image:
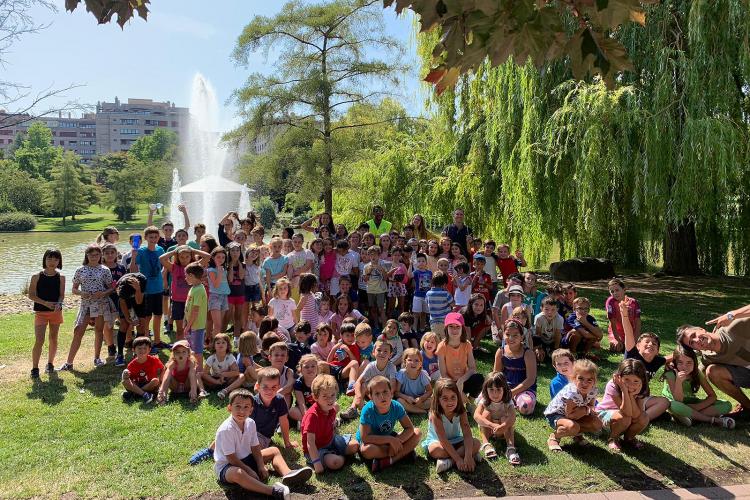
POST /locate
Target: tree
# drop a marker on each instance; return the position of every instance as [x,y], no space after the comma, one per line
[37,154]
[322,69]
[124,192]
[18,189]
[66,192]
[159,146]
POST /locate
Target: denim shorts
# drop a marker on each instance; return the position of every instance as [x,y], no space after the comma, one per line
[218,302]
[196,339]
[337,447]
[552,419]
[252,293]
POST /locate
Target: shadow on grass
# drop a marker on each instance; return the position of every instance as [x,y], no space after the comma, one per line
[724,436]
[410,476]
[351,483]
[51,392]
[100,381]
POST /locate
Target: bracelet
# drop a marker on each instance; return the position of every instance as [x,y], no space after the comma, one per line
[317,460]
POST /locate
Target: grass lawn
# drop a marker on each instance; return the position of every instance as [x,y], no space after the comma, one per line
[72,434]
[96,218]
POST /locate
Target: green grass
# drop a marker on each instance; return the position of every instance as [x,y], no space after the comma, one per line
[96,218]
[72,433]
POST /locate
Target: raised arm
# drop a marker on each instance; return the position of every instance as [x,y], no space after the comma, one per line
[626,326]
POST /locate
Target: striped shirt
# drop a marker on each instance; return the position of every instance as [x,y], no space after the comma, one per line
[439,304]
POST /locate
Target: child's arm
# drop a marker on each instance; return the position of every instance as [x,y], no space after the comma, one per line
[520,259]
[498,366]
[630,337]
[192,316]
[215,277]
[287,389]
[32,293]
[588,327]
[258,456]
[312,452]
[442,366]
[250,370]
[675,385]
[468,441]
[284,424]
[299,400]
[236,462]
[710,395]
[230,373]
[427,394]
[437,424]
[623,399]
[204,257]
[166,261]
[530,361]
[162,395]
[62,289]
[482,416]
[193,377]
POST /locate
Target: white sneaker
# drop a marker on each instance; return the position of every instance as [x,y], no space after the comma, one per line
[280,491]
[99,362]
[443,464]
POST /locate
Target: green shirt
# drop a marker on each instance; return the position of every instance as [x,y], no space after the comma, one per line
[194,245]
[197,297]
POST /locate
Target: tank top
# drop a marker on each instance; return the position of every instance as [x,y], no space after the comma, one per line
[309,311]
[237,286]
[181,376]
[47,288]
[515,370]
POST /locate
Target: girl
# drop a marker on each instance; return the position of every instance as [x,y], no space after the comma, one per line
[316,247]
[110,234]
[180,375]
[433,255]
[496,417]
[515,296]
[682,380]
[287,233]
[477,320]
[248,349]
[325,233]
[520,315]
[281,306]
[398,277]
[286,246]
[175,263]
[449,438]
[303,395]
[324,220]
[220,368]
[308,303]
[430,362]
[612,306]
[252,279]
[414,386]
[456,359]
[385,248]
[300,262]
[257,312]
[621,410]
[518,364]
[420,230]
[323,344]
[325,314]
[47,291]
[236,278]
[218,289]
[368,240]
[110,258]
[341,232]
[456,256]
[390,335]
[445,248]
[93,282]
[343,309]
[327,265]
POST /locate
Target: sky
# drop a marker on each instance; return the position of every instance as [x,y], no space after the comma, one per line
[157,59]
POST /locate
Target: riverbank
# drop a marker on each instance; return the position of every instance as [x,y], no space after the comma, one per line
[96,218]
[15,303]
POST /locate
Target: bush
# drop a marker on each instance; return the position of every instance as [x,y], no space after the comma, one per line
[266,211]
[17,221]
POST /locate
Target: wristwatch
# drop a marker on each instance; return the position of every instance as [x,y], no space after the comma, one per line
[730,316]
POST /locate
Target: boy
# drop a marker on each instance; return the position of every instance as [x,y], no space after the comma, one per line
[562,360]
[444,265]
[481,282]
[363,338]
[344,358]
[378,440]
[146,261]
[565,306]
[141,377]
[507,264]
[490,264]
[534,297]
[377,287]
[381,366]
[422,281]
[409,337]
[241,460]
[131,306]
[439,303]
[345,285]
[548,326]
[462,283]
[323,449]
[199,230]
[582,329]
[196,309]
[300,346]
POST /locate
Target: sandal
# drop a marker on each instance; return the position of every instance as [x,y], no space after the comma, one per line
[580,440]
[222,394]
[614,445]
[553,443]
[489,451]
[635,443]
[512,455]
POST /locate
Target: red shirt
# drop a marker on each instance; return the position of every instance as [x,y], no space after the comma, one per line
[507,267]
[319,423]
[482,283]
[143,373]
[343,362]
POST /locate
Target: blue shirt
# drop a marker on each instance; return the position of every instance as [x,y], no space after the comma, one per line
[267,417]
[556,384]
[149,265]
[422,282]
[535,301]
[572,322]
[366,353]
[274,265]
[381,424]
[439,303]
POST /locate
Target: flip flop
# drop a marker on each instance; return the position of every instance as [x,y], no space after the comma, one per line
[512,455]
[614,445]
[553,443]
[489,451]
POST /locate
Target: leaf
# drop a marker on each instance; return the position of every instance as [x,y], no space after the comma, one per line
[609,14]
[594,53]
[104,10]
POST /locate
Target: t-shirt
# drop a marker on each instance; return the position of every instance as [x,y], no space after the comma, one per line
[223,288]
[460,297]
[508,266]
[267,417]
[180,285]
[608,400]
[458,235]
[569,393]
[422,282]
[430,365]
[651,366]
[143,373]
[149,265]
[216,367]
[117,272]
[164,243]
[482,283]
[298,259]
[365,353]
[252,274]
[381,424]
[233,440]
[735,345]
[320,423]
[320,351]
[344,264]
[197,297]
[342,358]
[413,387]
[296,351]
[535,301]
[547,327]
[307,394]
[612,307]
[93,279]
[371,371]
[439,303]
[572,322]
[376,281]
[275,266]
[490,266]
[456,358]
[283,310]
[556,384]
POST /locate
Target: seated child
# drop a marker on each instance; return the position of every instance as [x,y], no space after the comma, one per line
[449,438]
[430,364]
[363,339]
[323,342]
[583,332]
[269,339]
[141,377]
[240,458]
[409,336]
[278,354]
[247,350]
[344,358]
[376,434]
[221,367]
[300,345]
[496,416]
[518,363]
[324,449]
[303,396]
[381,366]
[562,361]
[414,385]
[390,335]
[180,374]
[622,407]
[548,326]
[571,412]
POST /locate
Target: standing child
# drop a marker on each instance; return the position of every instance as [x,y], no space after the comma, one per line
[300,262]
[562,361]
[110,258]
[146,261]
[397,280]
[252,279]
[422,282]
[175,262]
[141,377]
[571,411]
[302,387]
[47,291]
[615,331]
[481,282]
[515,296]
[507,263]
[449,438]
[180,374]
[496,417]
[518,363]
[430,359]
[327,264]
[462,291]
[218,289]
[196,310]
[222,365]
[343,309]
[621,409]
[534,296]
[456,357]
[325,313]
[274,267]
[236,278]
[308,303]
[343,267]
[439,303]
[414,386]
[282,306]
[377,287]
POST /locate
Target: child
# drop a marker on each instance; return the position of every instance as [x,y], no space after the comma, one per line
[682,380]
[477,321]
[377,287]
[343,309]
[445,266]
[380,366]
[364,259]
[439,303]
[303,396]
[180,288]
[363,339]
[146,261]
[180,374]
[583,330]
[449,438]
[218,288]
[323,343]
[390,335]
[278,354]
[422,282]
[562,361]
[141,377]
[222,365]
[548,326]
[490,263]
[196,309]
[565,306]
[109,256]
[397,280]
[520,314]
[240,457]
[409,337]
[300,346]
[615,331]
[236,279]
[481,282]
[518,364]
[300,262]
[345,283]
[496,416]
[621,408]
[343,267]
[274,267]
[47,291]
[507,264]
[430,361]
[248,349]
[308,303]
[462,280]
[325,314]
[456,358]
[344,358]
[414,386]
[571,411]
[534,297]
[433,255]
[515,296]
[323,449]
[281,306]
[327,264]
[378,440]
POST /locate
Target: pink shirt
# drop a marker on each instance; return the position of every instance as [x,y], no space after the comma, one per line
[612,307]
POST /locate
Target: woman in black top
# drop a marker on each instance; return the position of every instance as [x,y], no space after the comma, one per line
[47,291]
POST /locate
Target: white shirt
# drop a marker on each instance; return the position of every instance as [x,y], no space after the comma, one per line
[230,439]
[216,367]
[283,310]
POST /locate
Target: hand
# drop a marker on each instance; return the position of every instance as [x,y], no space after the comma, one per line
[151,209]
[134,253]
[719,321]
[318,467]
[469,463]
[682,376]
[461,465]
[290,444]
[519,254]
[570,407]
[263,473]
[617,379]
[395,445]
[623,305]
[181,207]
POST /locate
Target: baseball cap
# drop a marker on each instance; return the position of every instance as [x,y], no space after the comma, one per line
[516,289]
[479,256]
[181,343]
[454,319]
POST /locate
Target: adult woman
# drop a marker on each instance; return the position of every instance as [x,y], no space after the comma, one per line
[420,231]
[324,219]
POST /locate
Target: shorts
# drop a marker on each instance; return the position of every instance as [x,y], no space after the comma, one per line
[44,318]
[100,308]
[740,375]
[376,300]
[606,417]
[248,460]
[178,311]
[196,338]
[337,446]
[419,305]
[252,293]
[236,300]
[265,442]
[552,419]
[396,289]
[439,329]
[152,305]
[218,302]
[336,371]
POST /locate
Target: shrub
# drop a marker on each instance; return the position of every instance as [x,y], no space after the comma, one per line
[266,211]
[17,221]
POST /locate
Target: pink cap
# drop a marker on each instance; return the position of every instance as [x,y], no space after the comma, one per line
[454,319]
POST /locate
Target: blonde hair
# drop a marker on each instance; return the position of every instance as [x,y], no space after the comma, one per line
[362,329]
[322,383]
[278,346]
[413,351]
[269,373]
[579,301]
[585,366]
[383,343]
[305,358]
[282,281]
[429,336]
[248,345]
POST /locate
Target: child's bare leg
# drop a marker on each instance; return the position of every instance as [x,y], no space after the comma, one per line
[332,461]
[566,427]
[75,344]
[180,329]
[36,351]
[52,348]
[590,423]
[655,406]
[216,320]
[410,408]
[618,424]
[352,371]
[273,456]
[636,427]
[373,451]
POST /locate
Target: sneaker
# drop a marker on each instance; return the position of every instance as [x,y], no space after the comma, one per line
[65,367]
[203,394]
[280,491]
[111,352]
[350,389]
[120,361]
[726,422]
[99,362]
[50,368]
[379,464]
[739,413]
[147,397]
[350,414]
[35,373]
[299,476]
[686,421]
[201,455]
[443,465]
[127,396]
[162,345]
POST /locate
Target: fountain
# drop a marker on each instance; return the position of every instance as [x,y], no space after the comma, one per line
[174,201]
[245,205]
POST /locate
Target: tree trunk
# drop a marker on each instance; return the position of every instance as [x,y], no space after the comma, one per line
[328,166]
[681,250]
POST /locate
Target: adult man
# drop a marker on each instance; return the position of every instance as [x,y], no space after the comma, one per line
[377,225]
[458,232]
[725,354]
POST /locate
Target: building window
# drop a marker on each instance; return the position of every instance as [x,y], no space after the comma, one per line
[88,125]
[148,132]
[175,124]
[72,143]
[130,131]
[129,121]
[68,134]
[67,125]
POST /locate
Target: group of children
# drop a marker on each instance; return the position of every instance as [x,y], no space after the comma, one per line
[392,321]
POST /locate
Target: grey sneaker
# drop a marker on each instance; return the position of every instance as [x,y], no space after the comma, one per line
[443,465]
[686,421]
[280,491]
[65,367]
[99,362]
[298,476]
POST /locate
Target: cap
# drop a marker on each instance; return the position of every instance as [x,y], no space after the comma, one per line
[516,289]
[181,343]
[479,256]
[412,241]
[454,319]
